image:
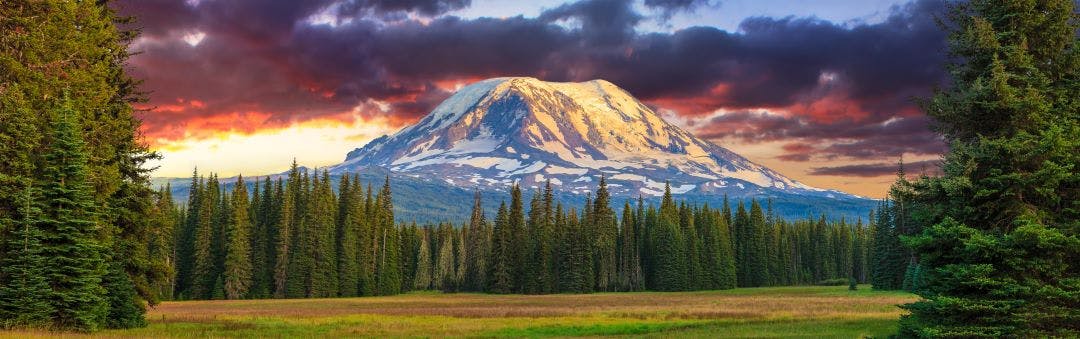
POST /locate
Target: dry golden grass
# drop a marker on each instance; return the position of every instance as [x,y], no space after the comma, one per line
[791,311]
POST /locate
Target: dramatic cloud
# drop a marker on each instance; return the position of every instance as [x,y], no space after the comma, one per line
[880,169]
[849,138]
[831,90]
[425,7]
[670,7]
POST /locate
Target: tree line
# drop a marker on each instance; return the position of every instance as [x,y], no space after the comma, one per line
[299,237]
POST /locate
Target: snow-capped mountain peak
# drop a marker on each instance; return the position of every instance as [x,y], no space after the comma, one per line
[495,132]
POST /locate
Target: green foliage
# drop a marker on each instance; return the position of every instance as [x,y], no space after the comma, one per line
[998,249]
[388,270]
[70,57]
[76,260]
[672,247]
[24,290]
[669,265]
[238,268]
[500,278]
[125,310]
[890,257]
[479,247]
[606,230]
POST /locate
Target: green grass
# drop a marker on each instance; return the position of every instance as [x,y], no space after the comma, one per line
[808,312]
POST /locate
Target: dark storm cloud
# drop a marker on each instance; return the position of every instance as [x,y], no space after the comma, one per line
[425,7]
[676,4]
[880,169]
[300,60]
[452,47]
[603,22]
[668,8]
[849,139]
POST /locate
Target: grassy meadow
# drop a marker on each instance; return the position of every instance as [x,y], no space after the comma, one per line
[813,312]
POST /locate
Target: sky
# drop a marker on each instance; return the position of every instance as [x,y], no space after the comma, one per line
[824,92]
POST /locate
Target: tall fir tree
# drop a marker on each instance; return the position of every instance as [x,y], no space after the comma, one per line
[629,275]
[75,260]
[388,271]
[517,249]
[741,226]
[422,280]
[443,277]
[283,237]
[670,265]
[238,244]
[756,256]
[605,225]
[500,278]
[477,252]
[24,290]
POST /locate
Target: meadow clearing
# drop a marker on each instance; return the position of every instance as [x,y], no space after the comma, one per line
[804,311]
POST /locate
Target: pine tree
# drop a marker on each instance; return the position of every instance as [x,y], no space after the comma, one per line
[756,257]
[366,232]
[161,247]
[1000,251]
[75,263]
[346,239]
[88,66]
[24,291]
[575,262]
[185,242]
[858,253]
[517,240]
[889,261]
[273,196]
[219,224]
[444,259]
[125,308]
[283,239]
[741,227]
[203,271]
[692,251]
[260,284]
[388,270]
[725,255]
[322,250]
[238,244]
[477,253]
[641,239]
[459,257]
[18,138]
[772,244]
[541,269]
[630,275]
[670,265]
[606,229]
[535,279]
[422,280]
[500,276]
[410,244]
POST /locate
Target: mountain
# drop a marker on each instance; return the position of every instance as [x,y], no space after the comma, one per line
[495,132]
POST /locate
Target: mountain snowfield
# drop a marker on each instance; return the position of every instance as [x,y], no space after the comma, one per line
[495,132]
